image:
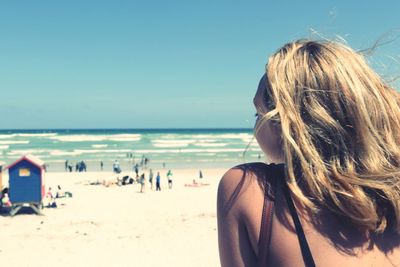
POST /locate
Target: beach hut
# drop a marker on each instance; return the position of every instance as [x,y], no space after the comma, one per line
[26,184]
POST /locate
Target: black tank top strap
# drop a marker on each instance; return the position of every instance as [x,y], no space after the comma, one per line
[305,249]
[272,173]
[265,231]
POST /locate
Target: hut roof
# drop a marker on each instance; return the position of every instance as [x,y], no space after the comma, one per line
[31,158]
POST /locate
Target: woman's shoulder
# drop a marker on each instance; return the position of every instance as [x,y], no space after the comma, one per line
[251,173]
[243,183]
[241,195]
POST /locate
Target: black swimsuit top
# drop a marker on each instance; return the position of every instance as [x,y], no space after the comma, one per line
[274,171]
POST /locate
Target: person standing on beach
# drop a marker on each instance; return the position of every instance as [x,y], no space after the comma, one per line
[158,180]
[101,164]
[137,170]
[151,176]
[116,167]
[142,183]
[66,165]
[169,176]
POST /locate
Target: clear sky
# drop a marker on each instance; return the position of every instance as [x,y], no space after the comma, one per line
[161,64]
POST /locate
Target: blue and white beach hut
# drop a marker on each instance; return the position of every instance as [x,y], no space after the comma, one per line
[26,183]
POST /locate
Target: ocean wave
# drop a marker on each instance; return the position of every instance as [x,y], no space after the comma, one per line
[77,152]
[222,136]
[4,136]
[171,145]
[248,140]
[64,153]
[9,142]
[99,146]
[4,147]
[210,144]
[36,134]
[208,140]
[124,137]
[186,150]
[174,141]
[97,138]
[207,154]
[21,152]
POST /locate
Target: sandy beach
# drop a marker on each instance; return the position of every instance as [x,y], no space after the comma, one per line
[117,225]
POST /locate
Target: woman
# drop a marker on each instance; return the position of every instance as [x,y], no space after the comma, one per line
[331,128]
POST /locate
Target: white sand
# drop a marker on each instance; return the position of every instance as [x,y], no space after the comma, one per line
[117,225]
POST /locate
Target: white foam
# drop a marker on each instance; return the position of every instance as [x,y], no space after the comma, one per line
[64,153]
[211,144]
[173,141]
[77,152]
[4,136]
[207,154]
[99,146]
[124,137]
[247,140]
[223,136]
[27,151]
[208,140]
[4,147]
[188,150]
[96,138]
[78,138]
[36,134]
[170,145]
[9,142]
[89,151]
[116,150]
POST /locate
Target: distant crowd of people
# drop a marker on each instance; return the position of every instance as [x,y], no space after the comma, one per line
[139,177]
[80,166]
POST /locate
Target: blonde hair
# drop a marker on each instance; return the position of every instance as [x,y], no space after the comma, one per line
[340,127]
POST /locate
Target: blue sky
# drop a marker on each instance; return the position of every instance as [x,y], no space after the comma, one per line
[161,64]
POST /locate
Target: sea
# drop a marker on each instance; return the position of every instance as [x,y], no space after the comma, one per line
[164,148]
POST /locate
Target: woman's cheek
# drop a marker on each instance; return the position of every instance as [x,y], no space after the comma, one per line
[269,142]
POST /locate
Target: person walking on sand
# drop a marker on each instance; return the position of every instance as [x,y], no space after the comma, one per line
[169,177]
[158,181]
[151,176]
[101,165]
[142,183]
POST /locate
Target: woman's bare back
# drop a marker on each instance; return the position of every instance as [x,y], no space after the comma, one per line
[333,242]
